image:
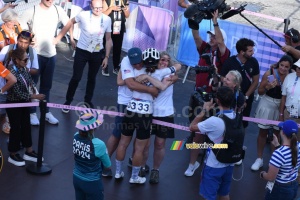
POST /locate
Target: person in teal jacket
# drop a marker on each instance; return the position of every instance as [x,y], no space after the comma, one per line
[90,155]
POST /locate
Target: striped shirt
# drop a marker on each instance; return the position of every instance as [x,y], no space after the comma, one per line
[282,159]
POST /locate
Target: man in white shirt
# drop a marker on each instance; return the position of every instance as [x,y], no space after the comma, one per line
[42,20]
[216,176]
[94,25]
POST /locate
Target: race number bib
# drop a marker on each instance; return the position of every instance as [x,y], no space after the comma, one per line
[140,106]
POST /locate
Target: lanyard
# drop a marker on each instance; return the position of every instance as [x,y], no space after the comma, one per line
[277,76]
[117,14]
[293,88]
[243,69]
[16,69]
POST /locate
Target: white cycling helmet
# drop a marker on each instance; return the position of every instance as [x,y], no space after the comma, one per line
[151,57]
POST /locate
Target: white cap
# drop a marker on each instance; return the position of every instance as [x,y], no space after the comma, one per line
[297,63]
[212,32]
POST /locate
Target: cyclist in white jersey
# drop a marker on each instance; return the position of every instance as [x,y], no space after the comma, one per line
[163,111]
[138,116]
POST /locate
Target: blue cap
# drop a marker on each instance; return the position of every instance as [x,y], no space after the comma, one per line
[135,55]
[288,127]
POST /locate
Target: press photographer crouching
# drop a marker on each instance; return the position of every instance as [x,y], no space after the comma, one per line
[233,81]
[217,173]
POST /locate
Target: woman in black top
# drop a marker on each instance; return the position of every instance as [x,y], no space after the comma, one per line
[19,117]
[268,107]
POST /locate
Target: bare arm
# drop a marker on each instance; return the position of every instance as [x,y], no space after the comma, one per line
[10,81]
[182,4]
[120,81]
[197,38]
[108,46]
[219,36]
[133,85]
[289,49]
[253,85]
[206,107]
[265,85]
[65,29]
[271,174]
[282,107]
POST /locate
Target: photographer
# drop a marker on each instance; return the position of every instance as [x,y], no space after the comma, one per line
[292,47]
[218,53]
[216,176]
[233,81]
[216,47]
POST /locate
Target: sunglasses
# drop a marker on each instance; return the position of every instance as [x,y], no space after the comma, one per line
[25,60]
[26,34]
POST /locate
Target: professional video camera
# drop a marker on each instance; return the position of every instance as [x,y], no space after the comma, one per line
[201,96]
[202,9]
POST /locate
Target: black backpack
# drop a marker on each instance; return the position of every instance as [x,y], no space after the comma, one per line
[234,137]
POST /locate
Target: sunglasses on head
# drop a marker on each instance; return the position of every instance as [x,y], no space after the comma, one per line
[27,34]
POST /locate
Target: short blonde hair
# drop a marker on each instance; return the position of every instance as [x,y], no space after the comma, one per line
[237,78]
[9,15]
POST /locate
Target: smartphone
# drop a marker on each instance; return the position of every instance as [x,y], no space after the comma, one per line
[270,78]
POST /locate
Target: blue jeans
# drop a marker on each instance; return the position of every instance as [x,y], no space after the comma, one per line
[88,190]
[283,191]
[46,66]
[81,58]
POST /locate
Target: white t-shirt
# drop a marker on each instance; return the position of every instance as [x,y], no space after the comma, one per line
[214,128]
[124,93]
[291,92]
[44,25]
[92,29]
[163,104]
[2,4]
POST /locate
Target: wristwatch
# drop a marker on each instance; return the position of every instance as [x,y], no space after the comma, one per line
[246,97]
[1,91]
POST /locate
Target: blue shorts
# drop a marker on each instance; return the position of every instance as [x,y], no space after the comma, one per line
[118,121]
[215,181]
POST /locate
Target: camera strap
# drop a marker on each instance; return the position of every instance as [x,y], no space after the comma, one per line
[244,70]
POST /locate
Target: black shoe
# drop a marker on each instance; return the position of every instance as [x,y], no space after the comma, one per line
[65,110]
[154,176]
[142,172]
[107,173]
[16,160]
[32,156]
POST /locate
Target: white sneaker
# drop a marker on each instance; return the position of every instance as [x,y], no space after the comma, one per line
[138,180]
[259,162]
[239,163]
[191,169]
[34,120]
[119,175]
[50,118]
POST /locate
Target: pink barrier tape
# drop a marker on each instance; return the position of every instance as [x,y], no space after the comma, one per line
[60,106]
[175,126]
[17,105]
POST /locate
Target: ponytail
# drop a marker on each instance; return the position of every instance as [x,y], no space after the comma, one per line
[294,149]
